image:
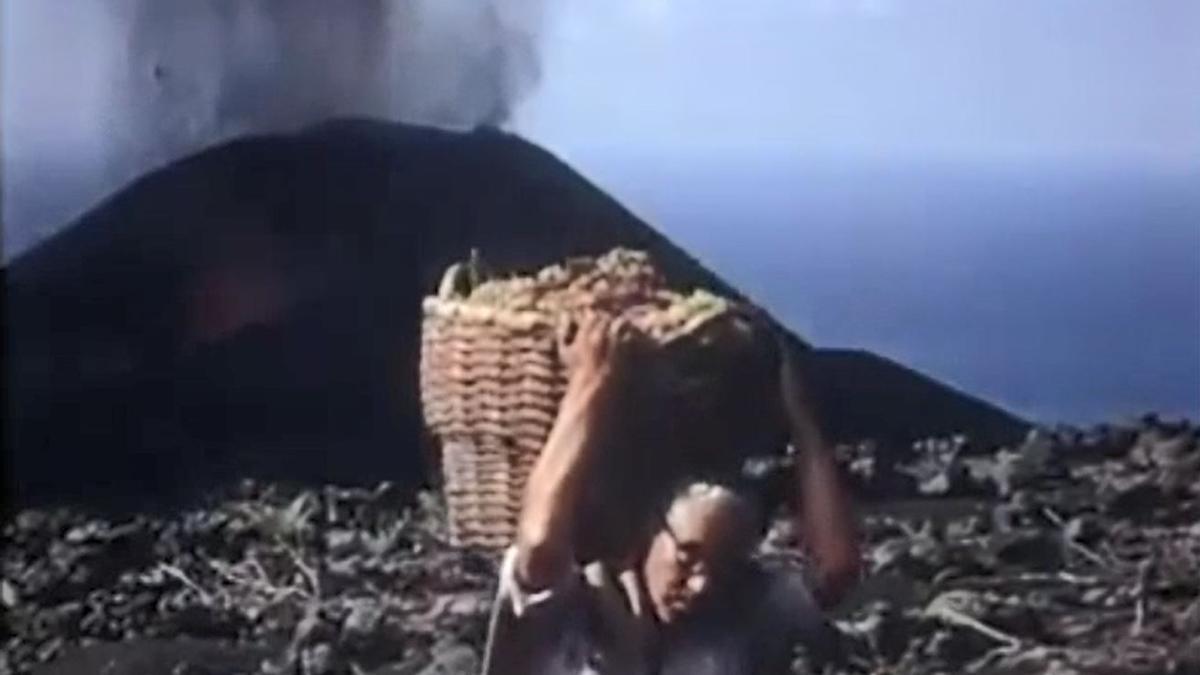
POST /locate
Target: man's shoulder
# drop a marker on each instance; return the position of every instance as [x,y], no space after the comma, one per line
[523,599]
[582,623]
[529,629]
[782,595]
[788,613]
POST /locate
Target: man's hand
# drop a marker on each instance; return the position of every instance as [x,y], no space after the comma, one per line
[597,347]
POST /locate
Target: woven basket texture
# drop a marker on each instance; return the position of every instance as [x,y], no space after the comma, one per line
[491,377]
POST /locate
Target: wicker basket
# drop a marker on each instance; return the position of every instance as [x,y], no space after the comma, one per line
[490,387]
[492,380]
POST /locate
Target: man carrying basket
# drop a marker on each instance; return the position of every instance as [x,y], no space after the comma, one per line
[687,597]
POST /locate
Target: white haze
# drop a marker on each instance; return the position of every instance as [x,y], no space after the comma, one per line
[99,92]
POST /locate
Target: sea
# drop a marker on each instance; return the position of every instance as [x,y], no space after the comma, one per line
[1067,294]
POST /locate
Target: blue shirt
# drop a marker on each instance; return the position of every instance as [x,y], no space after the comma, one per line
[584,625]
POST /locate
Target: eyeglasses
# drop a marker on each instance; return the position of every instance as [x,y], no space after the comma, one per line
[688,558]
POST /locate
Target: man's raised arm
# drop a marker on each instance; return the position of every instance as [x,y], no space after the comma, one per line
[546,530]
[825,517]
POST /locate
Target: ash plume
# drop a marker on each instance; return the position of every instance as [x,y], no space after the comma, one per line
[199,71]
[161,79]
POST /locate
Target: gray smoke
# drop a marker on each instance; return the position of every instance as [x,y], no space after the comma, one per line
[200,70]
[176,76]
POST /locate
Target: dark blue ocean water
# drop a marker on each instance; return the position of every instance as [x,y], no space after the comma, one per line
[1066,294]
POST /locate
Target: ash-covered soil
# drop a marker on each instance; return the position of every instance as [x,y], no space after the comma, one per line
[1075,552]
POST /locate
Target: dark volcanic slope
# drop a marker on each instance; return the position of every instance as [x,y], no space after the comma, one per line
[856,386]
[254,309]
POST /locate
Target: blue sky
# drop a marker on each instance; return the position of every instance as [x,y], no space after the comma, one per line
[1094,81]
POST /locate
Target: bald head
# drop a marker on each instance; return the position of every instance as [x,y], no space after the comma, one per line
[707,530]
[715,514]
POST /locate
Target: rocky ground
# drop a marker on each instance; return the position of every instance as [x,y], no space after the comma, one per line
[1074,552]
